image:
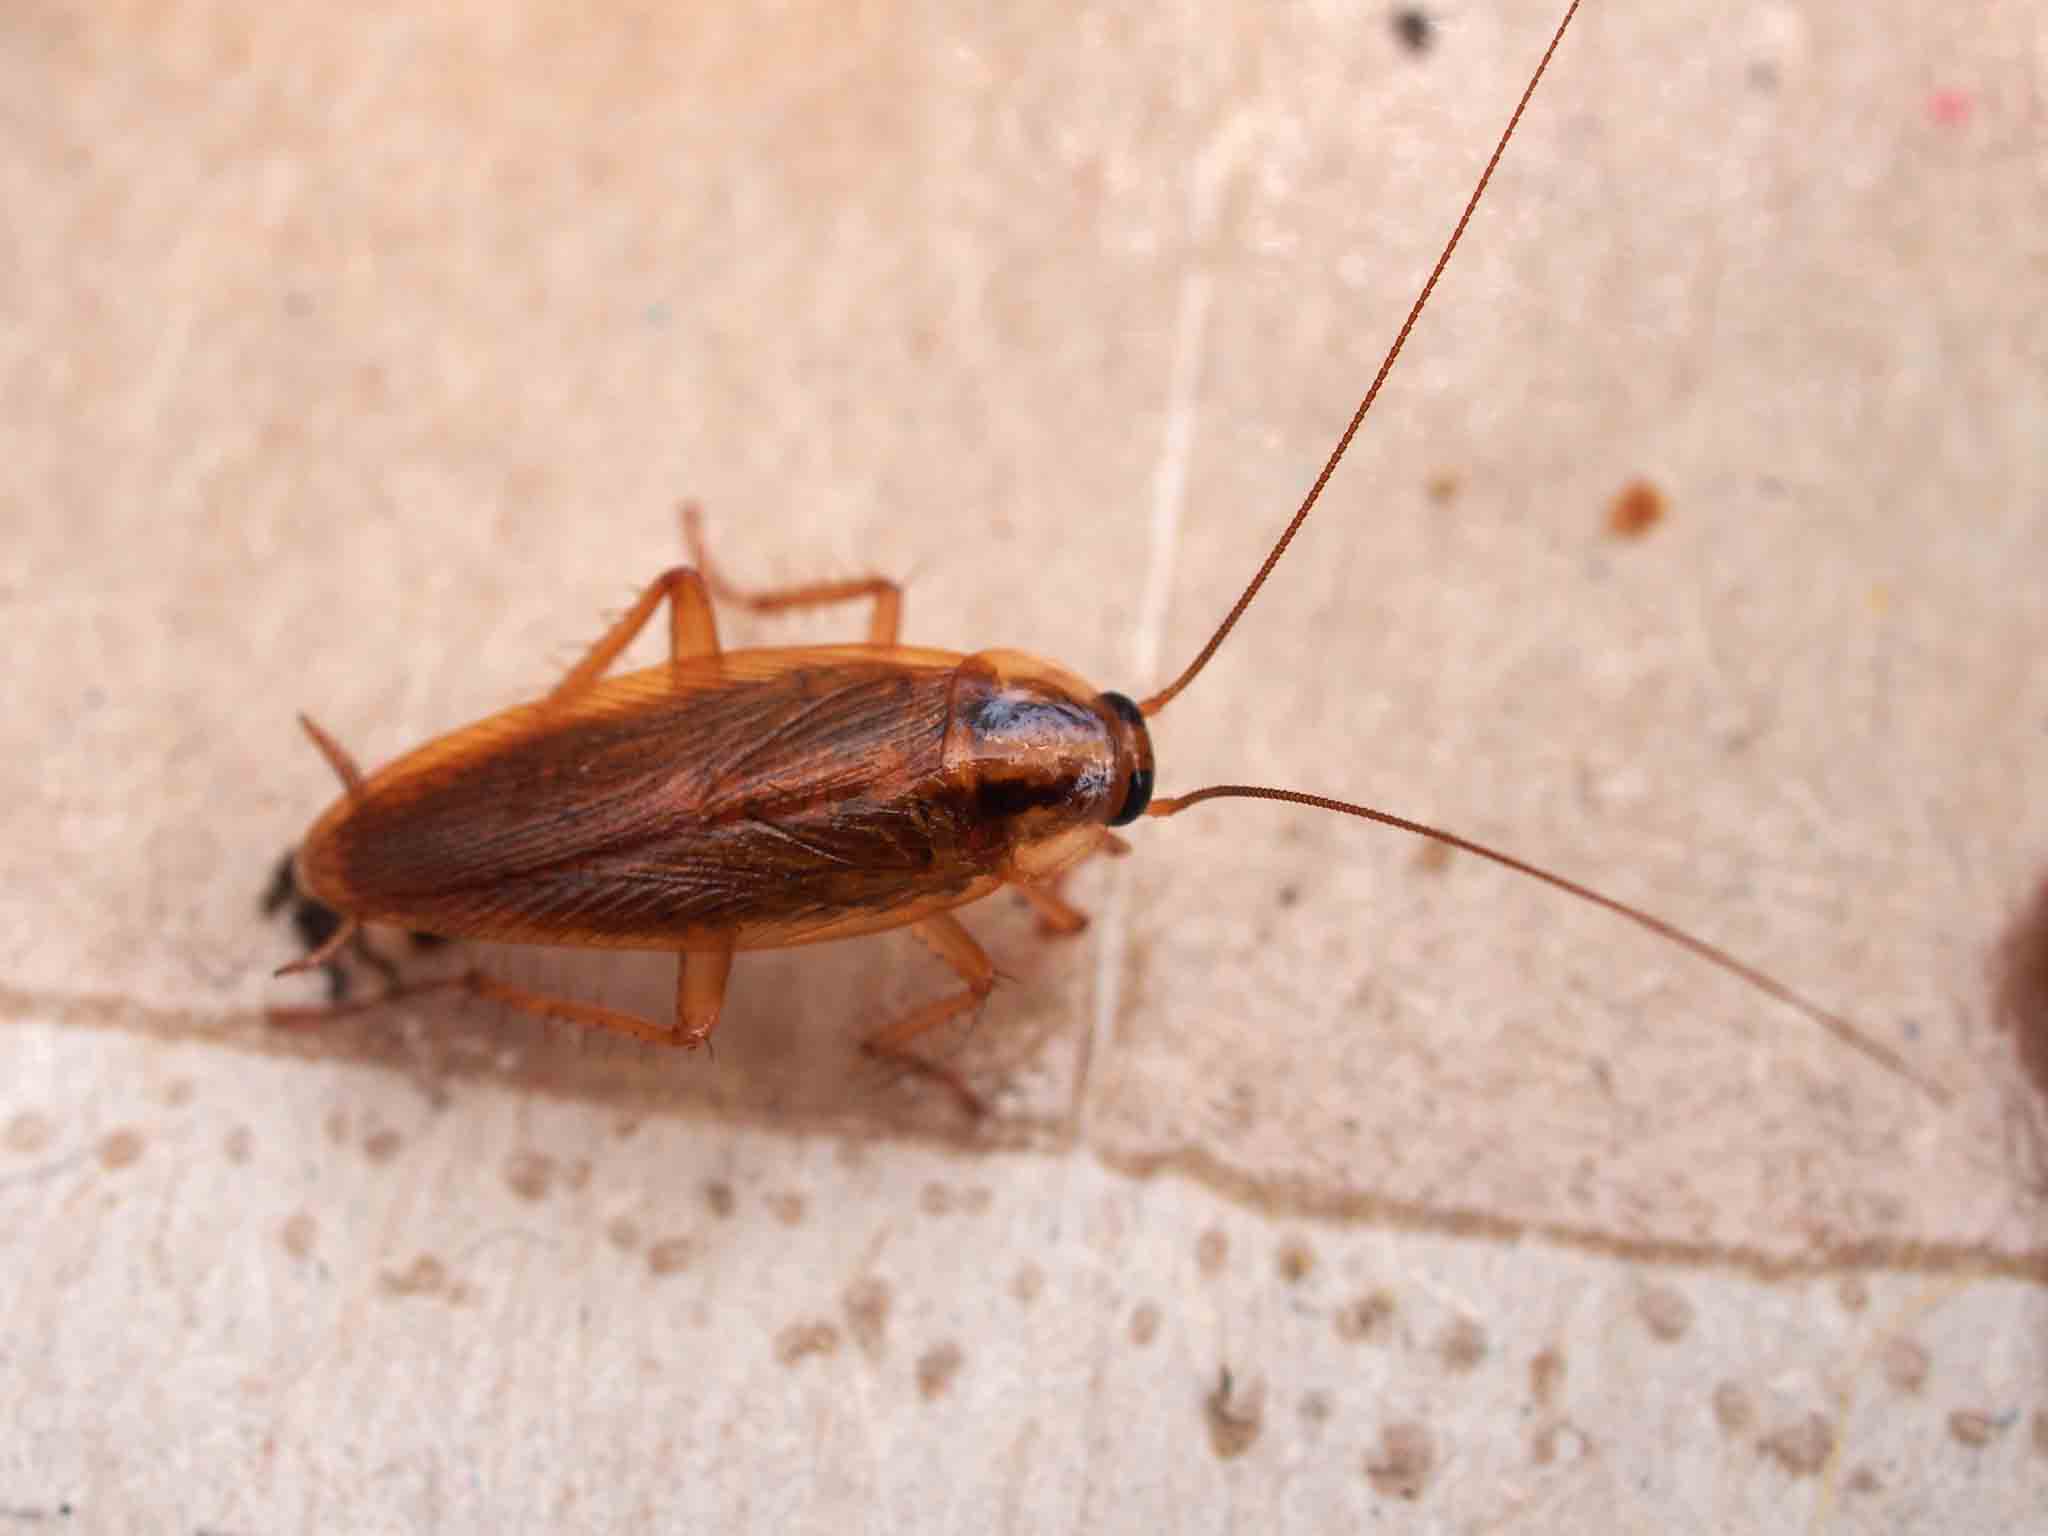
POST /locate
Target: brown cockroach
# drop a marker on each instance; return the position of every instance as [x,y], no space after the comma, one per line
[734,800]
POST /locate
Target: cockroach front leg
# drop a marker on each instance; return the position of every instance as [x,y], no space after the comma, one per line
[1058,917]
[953,944]
[883,623]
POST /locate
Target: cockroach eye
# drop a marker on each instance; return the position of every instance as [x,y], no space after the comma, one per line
[1139,795]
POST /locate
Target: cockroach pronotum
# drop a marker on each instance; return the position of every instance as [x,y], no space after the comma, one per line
[734,800]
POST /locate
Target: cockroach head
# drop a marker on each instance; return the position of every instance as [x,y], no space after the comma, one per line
[1133,756]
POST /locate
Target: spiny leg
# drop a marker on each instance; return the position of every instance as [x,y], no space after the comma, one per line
[883,624]
[700,993]
[692,629]
[953,944]
[1057,916]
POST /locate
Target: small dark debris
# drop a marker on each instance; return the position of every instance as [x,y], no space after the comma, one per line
[1637,508]
[1412,25]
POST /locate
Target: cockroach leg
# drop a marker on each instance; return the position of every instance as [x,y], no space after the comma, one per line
[589,1015]
[943,935]
[692,630]
[1056,915]
[883,623]
[540,1004]
[383,965]
[700,992]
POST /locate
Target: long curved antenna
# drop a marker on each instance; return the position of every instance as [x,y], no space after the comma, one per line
[1166,695]
[1765,983]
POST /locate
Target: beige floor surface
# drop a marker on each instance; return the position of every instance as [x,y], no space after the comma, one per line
[353,360]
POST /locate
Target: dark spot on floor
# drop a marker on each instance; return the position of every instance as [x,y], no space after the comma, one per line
[1414,29]
[1637,508]
[1235,1413]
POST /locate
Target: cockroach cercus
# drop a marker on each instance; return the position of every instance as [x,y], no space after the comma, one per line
[734,800]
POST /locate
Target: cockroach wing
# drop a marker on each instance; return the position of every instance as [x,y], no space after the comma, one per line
[759,798]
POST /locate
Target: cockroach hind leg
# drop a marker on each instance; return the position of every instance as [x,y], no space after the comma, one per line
[692,629]
[568,1011]
[701,976]
[885,620]
[315,958]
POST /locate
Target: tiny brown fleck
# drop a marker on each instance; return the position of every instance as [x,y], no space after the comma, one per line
[718,1195]
[1975,1429]
[1864,1480]
[867,1303]
[382,1146]
[423,1277]
[1853,1291]
[801,1339]
[2040,1431]
[787,1208]
[669,1255]
[238,1144]
[1400,1465]
[298,1234]
[178,1092]
[1297,1261]
[1212,1248]
[936,1368]
[1315,1407]
[529,1174]
[1462,1345]
[1665,1310]
[120,1148]
[1904,1362]
[935,1200]
[1546,1375]
[1235,1416]
[1367,1317]
[1732,1408]
[1443,488]
[28,1132]
[1636,509]
[1144,1323]
[624,1232]
[337,1126]
[1801,1448]
[1028,1282]
[1543,1444]
[578,1176]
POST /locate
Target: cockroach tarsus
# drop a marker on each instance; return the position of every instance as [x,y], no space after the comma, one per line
[759,799]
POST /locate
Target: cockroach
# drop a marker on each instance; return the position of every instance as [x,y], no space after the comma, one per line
[756,799]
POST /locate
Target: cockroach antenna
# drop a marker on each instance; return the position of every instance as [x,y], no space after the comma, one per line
[1835,1024]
